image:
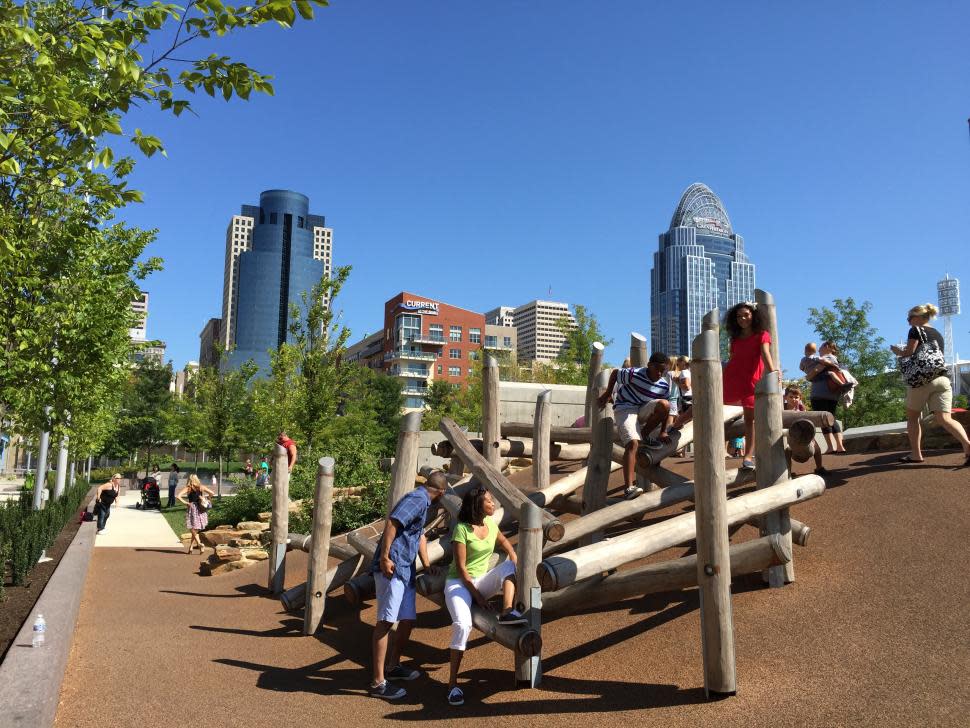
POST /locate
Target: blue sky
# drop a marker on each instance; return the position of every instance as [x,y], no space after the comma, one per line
[482,154]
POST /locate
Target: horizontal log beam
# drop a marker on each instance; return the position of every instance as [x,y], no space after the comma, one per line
[746,558]
[519,447]
[505,492]
[557,433]
[570,483]
[799,531]
[295,597]
[557,572]
[519,637]
[816,417]
[625,510]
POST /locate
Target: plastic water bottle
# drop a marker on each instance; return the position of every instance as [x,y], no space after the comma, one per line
[40,627]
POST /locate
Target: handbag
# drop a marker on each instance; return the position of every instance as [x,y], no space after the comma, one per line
[925,364]
[204,504]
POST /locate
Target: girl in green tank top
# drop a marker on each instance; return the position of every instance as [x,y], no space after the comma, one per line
[471,581]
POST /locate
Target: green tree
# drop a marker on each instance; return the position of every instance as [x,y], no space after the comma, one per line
[146,406]
[580,337]
[73,70]
[319,340]
[70,72]
[880,395]
[223,399]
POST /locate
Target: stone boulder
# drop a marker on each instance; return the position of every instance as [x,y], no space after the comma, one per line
[240,543]
[217,537]
[256,555]
[252,526]
[228,553]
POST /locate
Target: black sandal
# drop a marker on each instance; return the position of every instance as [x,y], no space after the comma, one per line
[909,461]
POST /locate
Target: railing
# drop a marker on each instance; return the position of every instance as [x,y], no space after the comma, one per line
[426,339]
[422,373]
[414,391]
[405,354]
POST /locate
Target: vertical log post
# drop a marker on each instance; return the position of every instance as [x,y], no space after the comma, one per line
[711,322]
[595,364]
[316,577]
[541,447]
[638,358]
[279,521]
[772,465]
[713,559]
[405,459]
[528,594]
[491,426]
[638,349]
[766,301]
[600,458]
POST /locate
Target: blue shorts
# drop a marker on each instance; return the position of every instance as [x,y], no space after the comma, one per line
[395,599]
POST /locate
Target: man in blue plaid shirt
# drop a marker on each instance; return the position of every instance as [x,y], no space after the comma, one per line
[393,568]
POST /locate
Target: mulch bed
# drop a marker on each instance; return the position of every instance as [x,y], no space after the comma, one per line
[16,608]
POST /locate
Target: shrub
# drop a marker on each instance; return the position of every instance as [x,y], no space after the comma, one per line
[245,505]
[25,533]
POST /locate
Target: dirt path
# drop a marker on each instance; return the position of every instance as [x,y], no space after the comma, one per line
[874,632]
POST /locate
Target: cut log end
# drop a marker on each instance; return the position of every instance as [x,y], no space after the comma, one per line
[529,643]
[554,531]
[548,579]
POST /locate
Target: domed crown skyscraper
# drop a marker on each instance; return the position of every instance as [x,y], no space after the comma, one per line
[700,264]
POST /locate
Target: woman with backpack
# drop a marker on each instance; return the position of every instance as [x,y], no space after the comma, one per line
[927,385]
[106,495]
[196,497]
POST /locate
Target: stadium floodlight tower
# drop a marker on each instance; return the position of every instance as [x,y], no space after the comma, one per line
[948,296]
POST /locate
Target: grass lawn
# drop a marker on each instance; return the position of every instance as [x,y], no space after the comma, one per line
[176,518]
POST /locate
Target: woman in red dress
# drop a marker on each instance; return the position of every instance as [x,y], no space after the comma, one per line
[750,357]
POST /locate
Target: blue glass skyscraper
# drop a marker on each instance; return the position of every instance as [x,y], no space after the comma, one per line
[700,264]
[283,259]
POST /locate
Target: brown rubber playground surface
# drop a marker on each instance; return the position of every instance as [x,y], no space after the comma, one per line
[875,631]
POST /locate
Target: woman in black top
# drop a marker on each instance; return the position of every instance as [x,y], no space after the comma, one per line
[107,492]
[935,394]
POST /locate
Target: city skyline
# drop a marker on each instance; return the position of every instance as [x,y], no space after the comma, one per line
[699,265]
[522,166]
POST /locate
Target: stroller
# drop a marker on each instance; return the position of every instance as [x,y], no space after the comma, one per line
[150,496]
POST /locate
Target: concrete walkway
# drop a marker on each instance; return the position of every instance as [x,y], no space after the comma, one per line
[130,527]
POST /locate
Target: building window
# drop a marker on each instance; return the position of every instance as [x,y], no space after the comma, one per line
[436,332]
[508,342]
[441,353]
[272,218]
[491,342]
[473,355]
[469,371]
[439,369]
[409,327]
[299,222]
[475,336]
[454,371]
[454,353]
[454,333]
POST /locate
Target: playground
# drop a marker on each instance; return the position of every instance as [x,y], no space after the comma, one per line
[868,635]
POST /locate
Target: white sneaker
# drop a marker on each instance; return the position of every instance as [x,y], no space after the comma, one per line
[632,491]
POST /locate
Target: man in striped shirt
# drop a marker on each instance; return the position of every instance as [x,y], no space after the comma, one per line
[640,388]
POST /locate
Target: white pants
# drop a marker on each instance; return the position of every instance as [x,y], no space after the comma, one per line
[459,600]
